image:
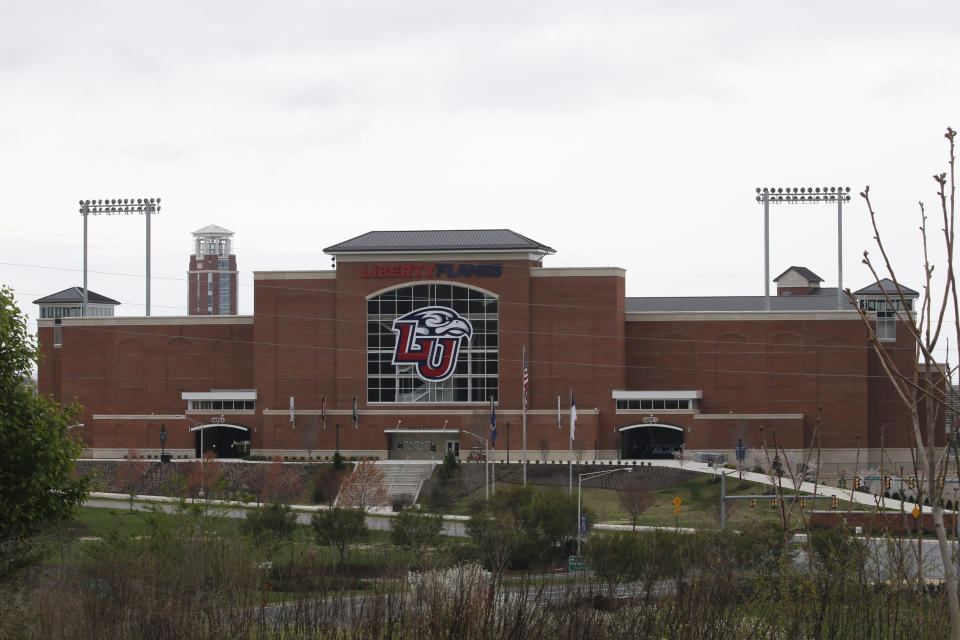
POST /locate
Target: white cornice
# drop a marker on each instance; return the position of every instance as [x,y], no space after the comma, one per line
[621,394]
[737,316]
[578,272]
[220,394]
[119,321]
[295,275]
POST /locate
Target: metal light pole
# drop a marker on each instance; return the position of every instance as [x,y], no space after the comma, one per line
[804,195]
[117,207]
[508,443]
[592,474]
[741,455]
[486,462]
[163,443]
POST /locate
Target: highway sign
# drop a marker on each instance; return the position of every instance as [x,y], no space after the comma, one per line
[576,563]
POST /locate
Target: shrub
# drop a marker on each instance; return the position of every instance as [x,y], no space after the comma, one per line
[415,530]
[340,528]
[270,522]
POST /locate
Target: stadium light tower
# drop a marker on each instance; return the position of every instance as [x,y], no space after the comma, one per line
[118,207]
[804,195]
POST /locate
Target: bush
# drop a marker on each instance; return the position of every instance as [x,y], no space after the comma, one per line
[340,528]
[338,461]
[400,502]
[269,523]
[326,484]
[415,530]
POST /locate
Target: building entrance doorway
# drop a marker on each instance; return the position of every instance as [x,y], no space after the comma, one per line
[646,441]
[453,446]
[224,440]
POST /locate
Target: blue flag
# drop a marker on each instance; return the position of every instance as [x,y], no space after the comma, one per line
[493,425]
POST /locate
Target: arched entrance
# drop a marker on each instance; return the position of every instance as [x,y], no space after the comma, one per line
[650,441]
[225,440]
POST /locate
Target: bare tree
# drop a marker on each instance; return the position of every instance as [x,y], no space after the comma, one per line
[635,500]
[308,435]
[131,474]
[364,487]
[578,450]
[544,448]
[925,385]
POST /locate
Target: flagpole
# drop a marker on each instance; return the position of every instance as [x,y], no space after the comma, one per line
[524,425]
[571,444]
[493,441]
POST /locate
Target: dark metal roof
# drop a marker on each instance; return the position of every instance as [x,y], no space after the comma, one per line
[74,295]
[886,284]
[823,300]
[440,240]
[803,271]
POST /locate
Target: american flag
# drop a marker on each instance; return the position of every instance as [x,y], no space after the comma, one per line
[526,379]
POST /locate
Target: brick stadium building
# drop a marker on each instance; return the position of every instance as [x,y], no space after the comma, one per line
[649,374]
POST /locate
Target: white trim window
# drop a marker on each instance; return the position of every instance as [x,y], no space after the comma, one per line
[886,315]
[476,377]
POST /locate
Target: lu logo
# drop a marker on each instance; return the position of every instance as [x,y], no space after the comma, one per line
[430,338]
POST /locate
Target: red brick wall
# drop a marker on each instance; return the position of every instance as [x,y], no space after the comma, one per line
[758,367]
[142,369]
[308,340]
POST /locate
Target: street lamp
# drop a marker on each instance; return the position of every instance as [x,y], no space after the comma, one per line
[804,195]
[163,443]
[741,455]
[486,462]
[588,476]
[117,207]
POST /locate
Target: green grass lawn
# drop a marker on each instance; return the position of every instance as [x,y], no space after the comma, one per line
[699,508]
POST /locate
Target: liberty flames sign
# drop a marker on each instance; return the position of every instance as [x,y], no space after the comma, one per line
[430,339]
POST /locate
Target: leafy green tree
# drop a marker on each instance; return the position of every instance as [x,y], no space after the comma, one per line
[37,452]
[524,523]
[339,528]
[416,530]
[271,522]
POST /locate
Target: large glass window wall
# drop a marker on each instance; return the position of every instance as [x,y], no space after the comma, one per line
[475,378]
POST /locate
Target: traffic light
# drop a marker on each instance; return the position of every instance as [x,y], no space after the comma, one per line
[753,502]
[910,481]
[886,482]
[803,503]
[856,482]
[940,482]
[773,503]
[833,502]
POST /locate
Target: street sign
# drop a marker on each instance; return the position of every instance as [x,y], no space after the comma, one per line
[576,563]
[676,511]
[916,511]
[677,501]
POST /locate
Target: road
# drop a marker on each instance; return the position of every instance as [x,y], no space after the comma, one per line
[455,528]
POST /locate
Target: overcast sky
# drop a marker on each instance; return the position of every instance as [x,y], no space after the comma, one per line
[629,134]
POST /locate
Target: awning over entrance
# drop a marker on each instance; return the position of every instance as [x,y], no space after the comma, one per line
[223,439]
[452,432]
[650,440]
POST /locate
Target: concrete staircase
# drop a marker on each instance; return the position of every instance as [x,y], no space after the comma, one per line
[405,477]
